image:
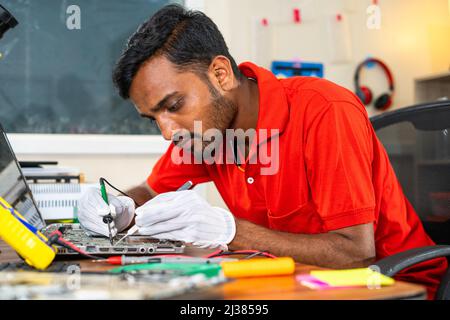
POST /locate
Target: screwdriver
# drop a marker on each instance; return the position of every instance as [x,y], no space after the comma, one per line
[108,218]
[135,228]
[125,260]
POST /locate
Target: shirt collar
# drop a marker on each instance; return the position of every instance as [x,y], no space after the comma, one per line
[273,106]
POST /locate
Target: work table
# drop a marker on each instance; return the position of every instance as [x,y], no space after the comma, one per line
[264,288]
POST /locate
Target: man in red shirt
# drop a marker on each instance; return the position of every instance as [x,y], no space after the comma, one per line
[312,182]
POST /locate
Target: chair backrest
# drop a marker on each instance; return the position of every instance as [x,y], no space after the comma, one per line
[417,140]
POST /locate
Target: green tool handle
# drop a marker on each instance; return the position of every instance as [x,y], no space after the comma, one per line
[182,269]
[103,191]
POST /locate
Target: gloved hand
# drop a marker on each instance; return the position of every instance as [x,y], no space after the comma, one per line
[185,216]
[92,208]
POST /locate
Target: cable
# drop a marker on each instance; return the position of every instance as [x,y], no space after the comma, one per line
[120,191]
[213,253]
[253,255]
[103,179]
[56,237]
[250,253]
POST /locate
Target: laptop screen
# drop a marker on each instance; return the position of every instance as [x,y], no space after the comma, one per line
[13,187]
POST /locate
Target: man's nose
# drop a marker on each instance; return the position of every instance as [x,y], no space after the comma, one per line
[168,129]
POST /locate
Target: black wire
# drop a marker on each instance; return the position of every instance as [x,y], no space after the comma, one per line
[123,193]
[250,254]
[103,179]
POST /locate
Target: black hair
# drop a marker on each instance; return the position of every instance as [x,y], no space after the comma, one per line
[188,39]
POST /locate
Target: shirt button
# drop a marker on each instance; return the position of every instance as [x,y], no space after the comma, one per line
[250,180]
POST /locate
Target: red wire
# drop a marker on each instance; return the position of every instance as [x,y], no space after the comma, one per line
[70,244]
[214,253]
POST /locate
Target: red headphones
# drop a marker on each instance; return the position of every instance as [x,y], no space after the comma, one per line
[384,101]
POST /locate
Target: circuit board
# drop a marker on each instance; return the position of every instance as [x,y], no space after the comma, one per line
[133,245]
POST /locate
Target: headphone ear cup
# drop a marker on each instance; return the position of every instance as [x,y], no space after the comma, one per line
[383,102]
[365,95]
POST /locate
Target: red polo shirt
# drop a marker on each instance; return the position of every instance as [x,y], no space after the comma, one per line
[332,172]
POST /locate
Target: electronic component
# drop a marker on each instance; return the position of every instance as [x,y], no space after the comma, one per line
[136,244]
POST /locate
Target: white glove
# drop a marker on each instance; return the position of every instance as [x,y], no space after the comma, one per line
[185,216]
[92,208]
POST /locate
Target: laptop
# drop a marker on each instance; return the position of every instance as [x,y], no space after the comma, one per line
[15,189]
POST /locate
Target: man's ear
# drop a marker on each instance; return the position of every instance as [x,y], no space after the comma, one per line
[221,73]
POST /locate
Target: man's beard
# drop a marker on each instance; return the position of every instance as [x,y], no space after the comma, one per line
[221,113]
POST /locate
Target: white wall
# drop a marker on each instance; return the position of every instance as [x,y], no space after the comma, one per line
[414,38]
[126,160]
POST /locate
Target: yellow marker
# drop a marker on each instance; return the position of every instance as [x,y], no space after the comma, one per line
[31,246]
[258,267]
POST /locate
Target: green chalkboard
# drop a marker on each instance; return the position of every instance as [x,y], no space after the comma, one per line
[56,65]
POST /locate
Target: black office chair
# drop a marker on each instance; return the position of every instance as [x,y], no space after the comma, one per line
[417,140]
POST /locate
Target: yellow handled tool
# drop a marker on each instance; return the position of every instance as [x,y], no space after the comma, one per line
[258,267]
[26,240]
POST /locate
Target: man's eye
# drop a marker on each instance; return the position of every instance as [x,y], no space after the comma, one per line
[175,106]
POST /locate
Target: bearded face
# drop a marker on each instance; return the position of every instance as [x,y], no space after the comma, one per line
[185,105]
